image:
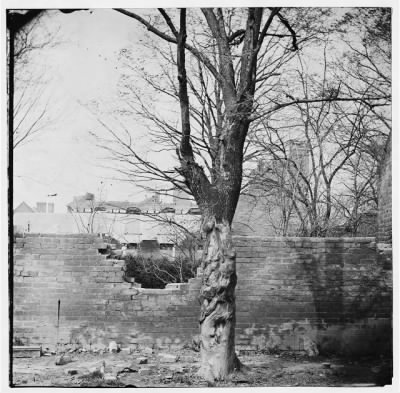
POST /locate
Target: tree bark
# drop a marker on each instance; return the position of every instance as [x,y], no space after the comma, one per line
[217,202]
[217,193]
[217,299]
[217,294]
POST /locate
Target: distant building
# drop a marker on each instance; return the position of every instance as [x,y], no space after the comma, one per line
[142,227]
[44,207]
[300,155]
[82,203]
[41,207]
[23,207]
[182,204]
[262,212]
[28,222]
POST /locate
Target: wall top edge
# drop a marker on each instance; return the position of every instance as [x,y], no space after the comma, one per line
[64,235]
[235,237]
[309,239]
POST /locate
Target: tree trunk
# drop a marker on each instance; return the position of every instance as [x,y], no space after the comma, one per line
[217,298]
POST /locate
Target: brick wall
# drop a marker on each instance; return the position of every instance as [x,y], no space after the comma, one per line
[385,197]
[95,304]
[292,294]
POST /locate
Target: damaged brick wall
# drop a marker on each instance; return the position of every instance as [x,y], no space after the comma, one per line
[292,294]
[66,292]
[385,196]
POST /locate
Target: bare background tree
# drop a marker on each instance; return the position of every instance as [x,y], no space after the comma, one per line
[309,158]
[227,70]
[329,180]
[30,111]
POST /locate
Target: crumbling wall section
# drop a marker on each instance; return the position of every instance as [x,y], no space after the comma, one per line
[293,294]
[66,292]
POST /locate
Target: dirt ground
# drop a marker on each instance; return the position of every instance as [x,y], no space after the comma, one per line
[178,369]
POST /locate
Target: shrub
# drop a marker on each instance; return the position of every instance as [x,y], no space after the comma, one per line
[157,272]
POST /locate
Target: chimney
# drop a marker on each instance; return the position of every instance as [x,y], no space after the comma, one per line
[156,198]
[41,207]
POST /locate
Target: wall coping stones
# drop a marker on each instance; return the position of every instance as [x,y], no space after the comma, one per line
[63,235]
[29,351]
[176,286]
[302,239]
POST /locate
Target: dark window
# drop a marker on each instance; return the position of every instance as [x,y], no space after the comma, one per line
[166,246]
[168,210]
[133,210]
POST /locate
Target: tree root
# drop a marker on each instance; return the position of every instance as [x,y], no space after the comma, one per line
[239,369]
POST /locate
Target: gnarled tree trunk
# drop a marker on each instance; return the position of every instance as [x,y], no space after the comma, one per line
[217,191]
[217,298]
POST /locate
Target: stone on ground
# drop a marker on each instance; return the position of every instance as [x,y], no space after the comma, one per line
[187,359]
[131,369]
[71,372]
[113,347]
[310,346]
[145,371]
[167,358]
[147,351]
[63,359]
[110,377]
[98,347]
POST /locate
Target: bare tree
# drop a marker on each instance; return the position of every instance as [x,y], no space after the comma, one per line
[364,70]
[365,67]
[30,114]
[228,64]
[84,219]
[309,158]
[27,109]
[216,182]
[87,212]
[360,194]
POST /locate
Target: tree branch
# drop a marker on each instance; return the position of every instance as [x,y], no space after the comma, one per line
[364,100]
[169,21]
[193,173]
[292,32]
[199,55]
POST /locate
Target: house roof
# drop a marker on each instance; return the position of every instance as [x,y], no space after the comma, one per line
[125,228]
[149,204]
[23,207]
[46,222]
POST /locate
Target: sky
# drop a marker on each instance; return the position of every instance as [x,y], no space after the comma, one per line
[83,66]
